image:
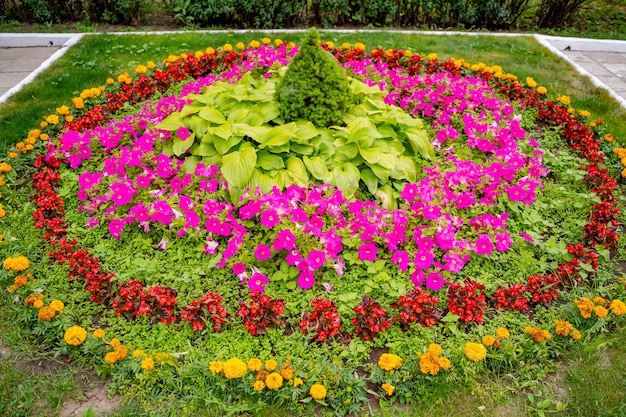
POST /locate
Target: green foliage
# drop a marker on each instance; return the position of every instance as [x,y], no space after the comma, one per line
[314,88]
[556,13]
[57,11]
[238,128]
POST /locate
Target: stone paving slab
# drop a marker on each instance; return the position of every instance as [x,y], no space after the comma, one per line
[17,64]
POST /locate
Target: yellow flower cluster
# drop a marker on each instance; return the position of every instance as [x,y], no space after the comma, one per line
[75,335]
[621,154]
[431,362]
[4,167]
[565,100]
[537,334]
[119,353]
[98,333]
[318,391]
[18,281]
[389,361]
[17,264]
[600,307]
[33,299]
[125,78]
[266,373]
[91,93]
[475,351]
[78,102]
[618,307]
[388,388]
[531,82]
[585,307]
[234,368]
[565,328]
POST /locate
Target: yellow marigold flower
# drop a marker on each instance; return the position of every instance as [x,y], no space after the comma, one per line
[601,311]
[11,288]
[444,363]
[346,45]
[78,102]
[297,382]
[624,172]
[52,119]
[216,367]
[2,211]
[240,45]
[110,357]
[254,44]
[585,307]
[270,365]
[274,380]
[388,388]
[198,54]
[12,155]
[227,47]
[542,90]
[63,110]
[147,364]
[389,361]
[17,264]
[291,45]
[563,327]
[489,340]
[564,100]
[138,353]
[530,82]
[571,110]
[318,391]
[38,303]
[75,335]
[287,371]
[141,69]
[4,167]
[503,333]
[121,352]
[255,364]
[234,368]
[44,136]
[330,44]
[576,334]
[43,124]
[20,280]
[546,334]
[57,305]
[46,313]
[278,42]
[150,65]
[432,56]
[98,333]
[475,351]
[599,300]
[609,137]
[536,333]
[266,41]
[210,51]
[67,119]
[30,300]
[115,342]
[259,385]
[29,147]
[110,81]
[360,46]
[584,113]
[429,363]
[618,307]
[435,349]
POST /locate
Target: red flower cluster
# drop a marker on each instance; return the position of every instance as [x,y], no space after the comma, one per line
[204,309]
[512,298]
[370,319]
[417,306]
[542,288]
[261,313]
[131,300]
[467,301]
[323,322]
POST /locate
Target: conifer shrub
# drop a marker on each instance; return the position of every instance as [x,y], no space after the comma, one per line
[315,87]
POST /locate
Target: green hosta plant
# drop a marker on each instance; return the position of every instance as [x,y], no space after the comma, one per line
[238,127]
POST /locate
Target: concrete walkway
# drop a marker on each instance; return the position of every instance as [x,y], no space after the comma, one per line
[24,56]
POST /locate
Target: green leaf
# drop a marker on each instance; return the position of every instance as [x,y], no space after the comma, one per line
[238,113]
[254,132]
[420,143]
[268,161]
[405,169]
[302,148]
[261,180]
[270,111]
[371,155]
[237,166]
[381,172]
[203,149]
[345,153]
[190,164]
[277,136]
[316,166]
[171,122]
[386,196]
[224,145]
[198,125]
[224,131]
[297,171]
[370,179]
[212,115]
[305,130]
[180,146]
[387,160]
[347,178]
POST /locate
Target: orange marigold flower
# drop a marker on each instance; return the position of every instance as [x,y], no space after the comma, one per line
[429,363]
[576,334]
[389,361]
[274,380]
[601,311]
[585,307]
[75,335]
[147,364]
[57,305]
[98,333]
[542,90]
[270,365]
[46,313]
[489,340]
[563,327]
[287,371]
[618,307]
[318,391]
[110,357]
[388,388]
[255,364]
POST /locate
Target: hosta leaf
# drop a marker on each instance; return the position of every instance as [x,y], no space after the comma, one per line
[171,122]
[302,148]
[305,130]
[203,149]
[190,163]
[180,146]
[212,115]
[405,169]
[370,179]
[198,125]
[270,111]
[316,166]
[268,161]
[254,117]
[420,143]
[387,160]
[347,178]
[371,155]
[191,109]
[238,113]
[387,131]
[254,132]
[386,196]
[261,180]
[381,172]
[237,166]
[345,153]
[224,145]
[297,171]
[277,136]
[224,131]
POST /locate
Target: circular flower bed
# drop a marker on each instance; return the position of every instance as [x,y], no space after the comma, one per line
[193,237]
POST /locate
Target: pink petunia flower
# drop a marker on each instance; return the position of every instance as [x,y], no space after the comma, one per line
[257,282]
[434,281]
[306,280]
[368,252]
[263,252]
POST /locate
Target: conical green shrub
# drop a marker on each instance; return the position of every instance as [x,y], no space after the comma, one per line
[315,87]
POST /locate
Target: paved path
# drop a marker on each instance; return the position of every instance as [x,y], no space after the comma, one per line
[24,56]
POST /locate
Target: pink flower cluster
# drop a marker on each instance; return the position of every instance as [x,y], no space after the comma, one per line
[445,218]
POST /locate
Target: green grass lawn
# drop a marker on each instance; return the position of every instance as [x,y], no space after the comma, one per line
[586,382]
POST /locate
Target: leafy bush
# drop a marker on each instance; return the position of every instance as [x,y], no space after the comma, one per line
[315,88]
[57,11]
[556,13]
